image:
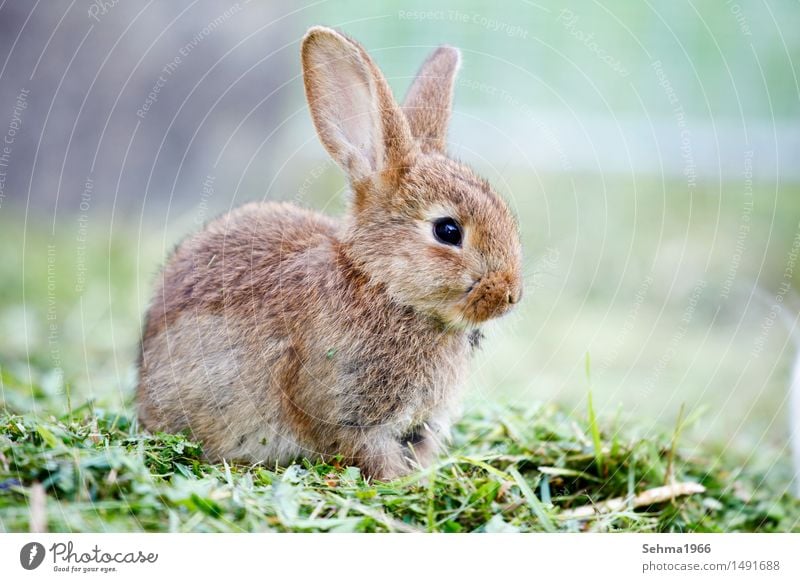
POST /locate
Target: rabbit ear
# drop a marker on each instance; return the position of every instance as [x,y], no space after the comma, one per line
[354,112]
[430,99]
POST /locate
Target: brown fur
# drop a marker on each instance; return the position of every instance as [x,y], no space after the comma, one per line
[428,102]
[277,332]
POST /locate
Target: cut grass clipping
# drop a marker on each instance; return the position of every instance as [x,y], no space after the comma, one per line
[508,470]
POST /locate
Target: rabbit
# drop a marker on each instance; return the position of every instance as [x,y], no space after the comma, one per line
[277,333]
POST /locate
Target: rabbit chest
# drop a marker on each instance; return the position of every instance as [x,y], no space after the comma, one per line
[380,367]
[399,383]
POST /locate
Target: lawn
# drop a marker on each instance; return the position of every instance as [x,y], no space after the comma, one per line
[529,454]
[91,469]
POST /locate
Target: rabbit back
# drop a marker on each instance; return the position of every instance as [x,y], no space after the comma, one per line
[217,351]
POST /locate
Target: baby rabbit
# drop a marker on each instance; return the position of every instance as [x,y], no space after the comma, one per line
[277,332]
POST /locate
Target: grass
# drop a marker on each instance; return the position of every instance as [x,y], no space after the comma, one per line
[73,459]
[508,470]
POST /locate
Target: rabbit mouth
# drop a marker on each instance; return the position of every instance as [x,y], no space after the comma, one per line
[490,296]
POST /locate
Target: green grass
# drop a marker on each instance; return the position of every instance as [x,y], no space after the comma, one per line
[517,466]
[508,470]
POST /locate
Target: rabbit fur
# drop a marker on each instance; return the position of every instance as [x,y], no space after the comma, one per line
[277,332]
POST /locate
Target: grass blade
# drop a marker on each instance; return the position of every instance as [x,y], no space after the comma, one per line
[537,507]
[594,430]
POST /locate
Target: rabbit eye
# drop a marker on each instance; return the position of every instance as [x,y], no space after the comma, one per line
[448,231]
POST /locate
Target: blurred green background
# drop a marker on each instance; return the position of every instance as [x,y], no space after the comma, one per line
[650,151]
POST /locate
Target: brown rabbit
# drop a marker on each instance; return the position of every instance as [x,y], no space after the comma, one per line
[277,333]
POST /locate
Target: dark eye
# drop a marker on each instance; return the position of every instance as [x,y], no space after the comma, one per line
[448,231]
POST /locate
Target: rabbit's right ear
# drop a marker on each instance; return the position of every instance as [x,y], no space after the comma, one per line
[430,99]
[354,112]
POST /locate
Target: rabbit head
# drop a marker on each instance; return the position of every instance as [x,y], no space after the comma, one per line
[420,224]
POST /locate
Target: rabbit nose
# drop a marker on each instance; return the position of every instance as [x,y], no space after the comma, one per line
[514,292]
[493,295]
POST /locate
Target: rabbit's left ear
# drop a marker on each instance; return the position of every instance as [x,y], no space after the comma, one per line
[354,112]
[429,101]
